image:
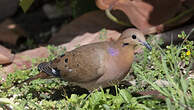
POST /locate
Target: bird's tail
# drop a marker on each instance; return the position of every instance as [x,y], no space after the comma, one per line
[44,74]
[40,75]
[43,69]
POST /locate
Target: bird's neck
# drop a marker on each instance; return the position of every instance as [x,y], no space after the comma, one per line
[124,53]
[118,49]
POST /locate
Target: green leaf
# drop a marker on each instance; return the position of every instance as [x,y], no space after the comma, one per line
[25,4]
[38,107]
[8,101]
[125,94]
[184,84]
[106,107]
[169,105]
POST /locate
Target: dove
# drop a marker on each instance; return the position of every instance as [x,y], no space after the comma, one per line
[95,65]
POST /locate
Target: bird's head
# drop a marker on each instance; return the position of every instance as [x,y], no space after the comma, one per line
[133,37]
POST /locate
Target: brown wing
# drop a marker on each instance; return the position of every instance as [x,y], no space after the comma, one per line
[83,64]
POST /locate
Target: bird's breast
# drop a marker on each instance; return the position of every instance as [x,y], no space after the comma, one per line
[116,64]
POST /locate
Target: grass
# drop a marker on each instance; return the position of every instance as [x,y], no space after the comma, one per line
[171,64]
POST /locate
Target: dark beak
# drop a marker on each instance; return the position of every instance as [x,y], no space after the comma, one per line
[147,46]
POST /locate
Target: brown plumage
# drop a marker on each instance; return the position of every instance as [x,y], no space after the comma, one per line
[94,65]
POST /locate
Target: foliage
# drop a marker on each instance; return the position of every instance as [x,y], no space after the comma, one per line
[25,4]
[172,65]
[159,64]
[103,34]
[79,7]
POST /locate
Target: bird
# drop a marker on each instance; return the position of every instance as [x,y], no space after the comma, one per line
[95,65]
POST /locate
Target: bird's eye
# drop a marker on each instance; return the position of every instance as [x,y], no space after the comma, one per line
[133,36]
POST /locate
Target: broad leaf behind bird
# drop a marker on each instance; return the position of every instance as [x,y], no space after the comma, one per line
[95,65]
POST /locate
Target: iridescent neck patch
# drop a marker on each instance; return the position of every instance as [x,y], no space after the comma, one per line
[113,52]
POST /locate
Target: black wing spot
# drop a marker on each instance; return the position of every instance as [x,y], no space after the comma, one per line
[66,60]
[125,44]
